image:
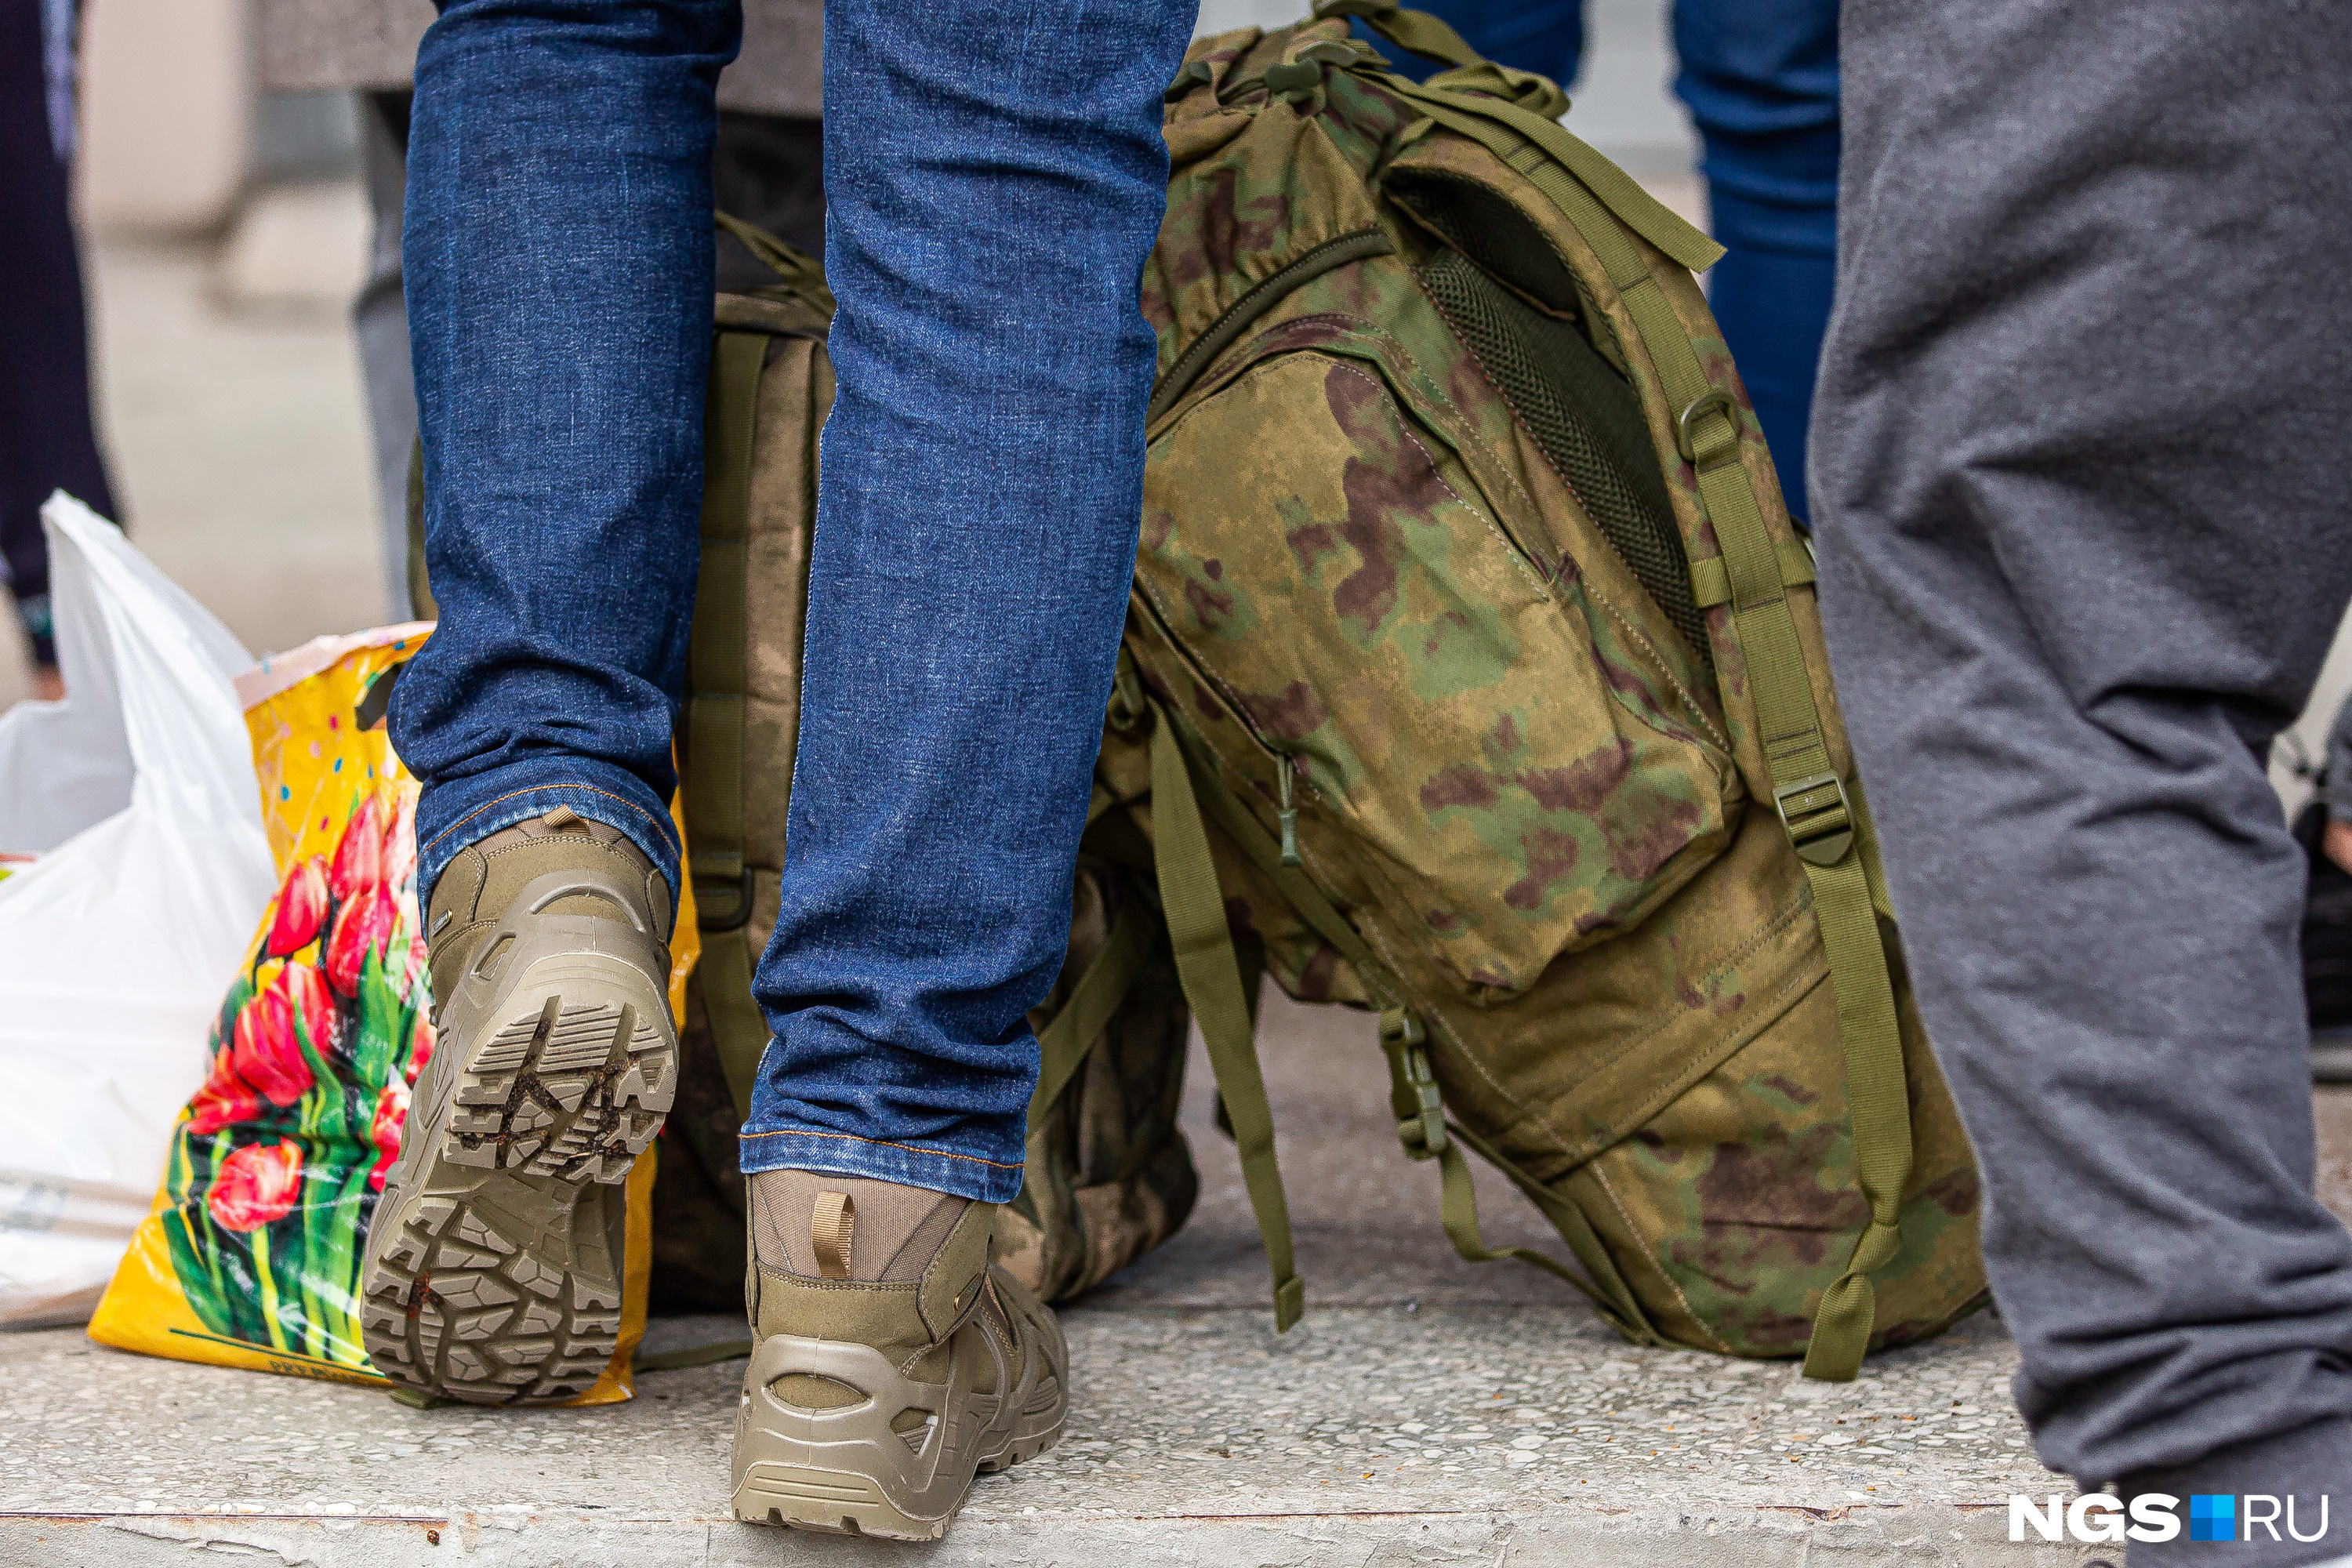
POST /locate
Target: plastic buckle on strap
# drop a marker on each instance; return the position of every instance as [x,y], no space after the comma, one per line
[1713,400]
[1130,705]
[1817,817]
[1422,1133]
[722,908]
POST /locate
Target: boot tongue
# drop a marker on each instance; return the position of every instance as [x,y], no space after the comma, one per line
[814,1223]
[549,824]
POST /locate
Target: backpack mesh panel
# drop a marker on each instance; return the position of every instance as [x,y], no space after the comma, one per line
[1484,225]
[1587,421]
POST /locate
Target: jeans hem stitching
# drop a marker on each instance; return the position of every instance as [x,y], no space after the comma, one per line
[885,1143]
[512,794]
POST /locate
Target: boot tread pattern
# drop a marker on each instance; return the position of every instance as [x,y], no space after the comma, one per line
[455,1308]
[464,1301]
[572,1092]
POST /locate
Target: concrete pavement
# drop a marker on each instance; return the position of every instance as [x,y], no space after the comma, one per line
[1426,1410]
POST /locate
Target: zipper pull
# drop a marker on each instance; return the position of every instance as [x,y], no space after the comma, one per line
[1288,815]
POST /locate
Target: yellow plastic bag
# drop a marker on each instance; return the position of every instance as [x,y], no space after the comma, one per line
[251,1255]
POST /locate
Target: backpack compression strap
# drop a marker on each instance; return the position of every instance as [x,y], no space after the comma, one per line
[1825,822]
[1063,1045]
[716,691]
[1212,977]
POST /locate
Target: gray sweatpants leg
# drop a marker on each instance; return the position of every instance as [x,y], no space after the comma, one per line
[2082,461]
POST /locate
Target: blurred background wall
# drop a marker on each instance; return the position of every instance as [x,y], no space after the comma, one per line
[191,108]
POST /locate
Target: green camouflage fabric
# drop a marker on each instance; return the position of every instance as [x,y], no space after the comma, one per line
[1540,801]
[1108,1174]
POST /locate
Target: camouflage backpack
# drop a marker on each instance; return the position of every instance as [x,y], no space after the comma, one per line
[1473,676]
[1109,1175]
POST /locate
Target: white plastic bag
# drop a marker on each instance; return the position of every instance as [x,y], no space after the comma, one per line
[136,794]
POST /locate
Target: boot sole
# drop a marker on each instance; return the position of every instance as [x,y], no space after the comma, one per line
[838,1502]
[494,1264]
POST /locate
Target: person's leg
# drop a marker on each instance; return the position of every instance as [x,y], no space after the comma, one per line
[766,169]
[48,439]
[992,192]
[558,258]
[1760,80]
[558,254]
[380,326]
[1543,35]
[2077,450]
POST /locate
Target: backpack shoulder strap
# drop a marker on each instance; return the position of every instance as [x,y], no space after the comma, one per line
[1823,818]
[715,693]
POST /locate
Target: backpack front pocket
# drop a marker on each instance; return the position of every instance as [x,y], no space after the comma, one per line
[1504,788]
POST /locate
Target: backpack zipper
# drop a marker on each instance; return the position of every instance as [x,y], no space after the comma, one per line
[1255,301]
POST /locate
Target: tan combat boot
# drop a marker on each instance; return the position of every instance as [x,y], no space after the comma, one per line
[893,1361]
[493,1270]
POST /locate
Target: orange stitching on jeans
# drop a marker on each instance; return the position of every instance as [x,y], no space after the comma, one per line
[516,794]
[885,1143]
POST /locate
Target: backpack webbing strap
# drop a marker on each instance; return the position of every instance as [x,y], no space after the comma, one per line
[1536,144]
[804,272]
[1819,817]
[420,591]
[709,1354]
[1432,37]
[1421,1125]
[1711,576]
[1195,908]
[1815,810]
[1063,1045]
[716,690]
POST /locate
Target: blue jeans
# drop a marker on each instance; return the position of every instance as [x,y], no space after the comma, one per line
[995,178]
[557,268]
[1760,80]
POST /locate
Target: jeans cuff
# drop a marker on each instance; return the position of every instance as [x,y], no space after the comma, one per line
[846,1154]
[2304,1465]
[464,810]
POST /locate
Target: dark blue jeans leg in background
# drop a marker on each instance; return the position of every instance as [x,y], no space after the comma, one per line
[48,439]
[1760,78]
[994,179]
[558,258]
[1546,35]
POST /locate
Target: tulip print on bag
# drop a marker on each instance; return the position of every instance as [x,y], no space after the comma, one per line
[252,1254]
[268,1184]
[257,1185]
